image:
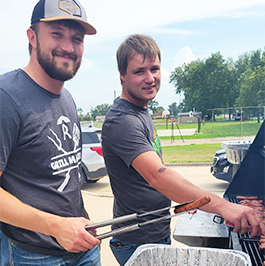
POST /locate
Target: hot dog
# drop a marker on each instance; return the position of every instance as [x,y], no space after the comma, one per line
[245,197]
[193,205]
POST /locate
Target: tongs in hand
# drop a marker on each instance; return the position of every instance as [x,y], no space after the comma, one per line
[220,220]
[178,209]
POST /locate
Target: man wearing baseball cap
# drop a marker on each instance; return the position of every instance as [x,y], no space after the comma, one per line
[42,213]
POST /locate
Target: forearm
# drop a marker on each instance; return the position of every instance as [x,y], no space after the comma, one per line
[178,189]
[171,184]
[18,214]
[69,232]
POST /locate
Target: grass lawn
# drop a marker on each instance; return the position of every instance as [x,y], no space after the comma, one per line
[190,153]
[202,152]
[205,152]
[216,129]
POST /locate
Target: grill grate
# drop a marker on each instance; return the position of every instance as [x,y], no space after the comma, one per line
[248,244]
[251,248]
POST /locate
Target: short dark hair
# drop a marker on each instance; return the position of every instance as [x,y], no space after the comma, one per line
[136,44]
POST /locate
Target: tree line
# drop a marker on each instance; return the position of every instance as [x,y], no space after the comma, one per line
[99,110]
[102,109]
[219,83]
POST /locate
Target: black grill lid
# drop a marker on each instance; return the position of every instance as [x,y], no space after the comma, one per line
[249,179]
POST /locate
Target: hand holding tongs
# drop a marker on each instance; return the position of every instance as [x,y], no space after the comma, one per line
[220,220]
[178,209]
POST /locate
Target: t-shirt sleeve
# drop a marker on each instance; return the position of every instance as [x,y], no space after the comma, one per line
[9,124]
[127,138]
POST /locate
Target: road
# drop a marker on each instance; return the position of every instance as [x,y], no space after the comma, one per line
[175,142]
[176,132]
[98,201]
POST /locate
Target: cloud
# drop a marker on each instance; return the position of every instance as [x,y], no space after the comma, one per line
[165,73]
[184,55]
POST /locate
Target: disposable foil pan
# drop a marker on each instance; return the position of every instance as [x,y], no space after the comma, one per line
[162,255]
[236,150]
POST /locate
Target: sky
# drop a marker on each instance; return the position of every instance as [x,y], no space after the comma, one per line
[184,31]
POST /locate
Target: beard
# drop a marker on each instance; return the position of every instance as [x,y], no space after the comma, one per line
[50,67]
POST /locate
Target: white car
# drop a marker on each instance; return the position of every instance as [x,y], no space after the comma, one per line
[92,166]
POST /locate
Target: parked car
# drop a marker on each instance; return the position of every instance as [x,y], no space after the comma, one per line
[221,167]
[92,166]
[237,117]
[225,169]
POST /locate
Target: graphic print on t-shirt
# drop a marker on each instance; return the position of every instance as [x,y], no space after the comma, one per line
[66,160]
[156,143]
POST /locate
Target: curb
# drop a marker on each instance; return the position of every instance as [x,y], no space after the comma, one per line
[97,195]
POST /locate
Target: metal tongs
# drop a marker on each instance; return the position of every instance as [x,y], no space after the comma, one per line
[220,220]
[134,216]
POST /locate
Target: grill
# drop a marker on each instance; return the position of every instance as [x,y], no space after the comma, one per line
[248,180]
[245,243]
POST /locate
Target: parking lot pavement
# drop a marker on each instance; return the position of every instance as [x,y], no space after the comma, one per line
[98,201]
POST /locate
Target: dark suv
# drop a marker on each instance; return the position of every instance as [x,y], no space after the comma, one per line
[227,160]
[92,166]
[221,167]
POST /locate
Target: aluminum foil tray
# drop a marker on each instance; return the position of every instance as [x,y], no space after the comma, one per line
[236,150]
[165,255]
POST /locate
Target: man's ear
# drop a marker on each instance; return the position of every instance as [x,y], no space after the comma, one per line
[32,37]
[122,77]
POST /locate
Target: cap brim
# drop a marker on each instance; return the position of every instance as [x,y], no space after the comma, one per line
[89,29]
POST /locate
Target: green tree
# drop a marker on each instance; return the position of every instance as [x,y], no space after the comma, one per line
[100,110]
[87,117]
[255,59]
[80,114]
[152,105]
[173,109]
[241,64]
[83,117]
[252,87]
[216,82]
[206,84]
[80,111]
[251,83]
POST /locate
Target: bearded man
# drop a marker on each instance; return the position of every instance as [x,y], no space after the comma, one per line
[42,213]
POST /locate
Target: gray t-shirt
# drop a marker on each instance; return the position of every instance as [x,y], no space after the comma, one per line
[127,132]
[40,154]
